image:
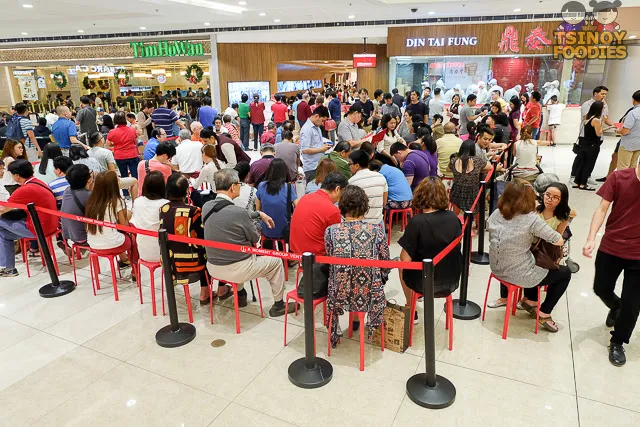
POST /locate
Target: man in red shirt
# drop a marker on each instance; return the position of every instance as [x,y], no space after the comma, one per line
[279,111]
[532,115]
[304,110]
[313,215]
[256,111]
[619,251]
[31,190]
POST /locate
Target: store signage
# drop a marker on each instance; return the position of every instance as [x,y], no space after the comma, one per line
[23,72]
[447,64]
[92,69]
[442,41]
[166,49]
[161,78]
[364,60]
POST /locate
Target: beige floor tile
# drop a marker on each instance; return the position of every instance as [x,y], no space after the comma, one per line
[13,332]
[596,414]
[33,397]
[223,371]
[488,400]
[364,401]
[29,355]
[240,416]
[132,396]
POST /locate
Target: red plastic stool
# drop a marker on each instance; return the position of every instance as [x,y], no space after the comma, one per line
[294,296]
[277,243]
[404,215]
[234,286]
[24,244]
[152,267]
[75,254]
[350,334]
[512,300]
[94,267]
[448,323]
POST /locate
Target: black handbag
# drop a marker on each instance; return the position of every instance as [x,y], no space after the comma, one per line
[287,228]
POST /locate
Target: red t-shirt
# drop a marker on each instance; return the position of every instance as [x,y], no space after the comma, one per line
[312,216]
[532,110]
[257,113]
[36,191]
[304,111]
[279,112]
[622,233]
[124,141]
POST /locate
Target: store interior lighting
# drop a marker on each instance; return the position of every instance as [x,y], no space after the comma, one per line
[212,5]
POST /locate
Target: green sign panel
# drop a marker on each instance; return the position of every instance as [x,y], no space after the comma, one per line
[166,48]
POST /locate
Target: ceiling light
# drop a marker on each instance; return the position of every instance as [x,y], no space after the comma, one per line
[352,16]
[25,34]
[276,20]
[143,28]
[27,6]
[207,23]
[211,5]
[242,3]
[262,14]
[81,31]
[432,13]
[632,37]
[517,9]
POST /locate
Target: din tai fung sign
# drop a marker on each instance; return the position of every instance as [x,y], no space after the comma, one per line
[509,38]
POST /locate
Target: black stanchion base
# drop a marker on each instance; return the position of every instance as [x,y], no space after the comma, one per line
[184,335]
[438,397]
[51,291]
[480,258]
[316,377]
[469,311]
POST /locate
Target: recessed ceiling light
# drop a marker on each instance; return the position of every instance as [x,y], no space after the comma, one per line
[633,37]
[326,62]
[517,9]
[242,3]
[81,31]
[207,23]
[143,28]
[431,13]
[276,20]
[262,14]
[27,6]
[352,16]
[25,34]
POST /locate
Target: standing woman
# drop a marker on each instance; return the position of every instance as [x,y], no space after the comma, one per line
[124,139]
[11,151]
[391,136]
[466,168]
[454,110]
[355,289]
[188,261]
[589,146]
[107,124]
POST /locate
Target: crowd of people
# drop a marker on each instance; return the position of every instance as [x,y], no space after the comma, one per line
[191,175]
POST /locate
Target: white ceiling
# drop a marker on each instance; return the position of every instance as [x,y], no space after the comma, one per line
[66,17]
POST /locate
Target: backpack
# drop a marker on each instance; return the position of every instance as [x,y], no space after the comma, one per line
[14,129]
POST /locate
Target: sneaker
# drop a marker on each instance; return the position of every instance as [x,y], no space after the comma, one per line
[612,317]
[278,308]
[603,179]
[8,272]
[591,181]
[124,264]
[616,355]
[415,318]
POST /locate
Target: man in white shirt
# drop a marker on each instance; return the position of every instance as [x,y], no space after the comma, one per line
[188,156]
[373,183]
[312,143]
[436,105]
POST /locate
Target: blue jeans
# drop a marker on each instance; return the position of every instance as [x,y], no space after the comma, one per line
[257,133]
[245,125]
[127,166]
[535,132]
[10,231]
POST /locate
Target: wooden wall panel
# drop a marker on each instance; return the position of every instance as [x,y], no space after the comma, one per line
[259,62]
[488,39]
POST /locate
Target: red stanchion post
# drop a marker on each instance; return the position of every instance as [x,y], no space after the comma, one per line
[462,308]
[429,389]
[480,257]
[175,334]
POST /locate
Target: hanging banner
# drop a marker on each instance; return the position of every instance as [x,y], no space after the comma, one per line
[28,87]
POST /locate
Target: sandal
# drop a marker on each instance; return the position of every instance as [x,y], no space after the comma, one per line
[548,324]
[496,304]
[587,188]
[531,309]
[33,254]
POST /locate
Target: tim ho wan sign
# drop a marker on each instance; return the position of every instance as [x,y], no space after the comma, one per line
[166,48]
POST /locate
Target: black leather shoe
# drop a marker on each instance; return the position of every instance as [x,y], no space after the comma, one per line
[612,317]
[616,355]
[242,298]
[603,179]
[279,308]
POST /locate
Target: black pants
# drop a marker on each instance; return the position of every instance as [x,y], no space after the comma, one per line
[608,269]
[556,281]
[586,161]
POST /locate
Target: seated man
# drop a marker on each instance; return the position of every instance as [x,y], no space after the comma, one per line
[313,215]
[227,223]
[60,166]
[188,156]
[17,224]
[158,135]
[259,168]
[107,162]
[74,200]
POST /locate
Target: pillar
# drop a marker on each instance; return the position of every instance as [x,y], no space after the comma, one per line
[621,87]
[214,76]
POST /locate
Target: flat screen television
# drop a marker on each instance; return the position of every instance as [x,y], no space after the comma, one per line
[236,89]
[295,85]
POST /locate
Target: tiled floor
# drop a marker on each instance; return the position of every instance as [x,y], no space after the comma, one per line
[88,360]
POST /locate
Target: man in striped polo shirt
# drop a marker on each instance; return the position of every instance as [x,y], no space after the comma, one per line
[164,118]
[58,185]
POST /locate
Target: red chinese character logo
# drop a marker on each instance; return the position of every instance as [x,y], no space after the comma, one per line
[537,39]
[509,41]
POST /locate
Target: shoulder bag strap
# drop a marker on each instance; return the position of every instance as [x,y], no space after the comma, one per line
[41,185]
[146,167]
[217,208]
[289,203]
[77,201]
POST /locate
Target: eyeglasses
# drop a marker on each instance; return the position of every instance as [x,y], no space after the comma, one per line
[552,197]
